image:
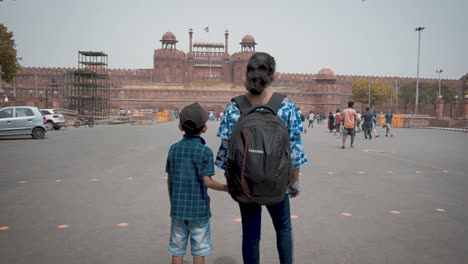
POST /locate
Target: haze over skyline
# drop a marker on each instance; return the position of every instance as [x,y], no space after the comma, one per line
[352,37]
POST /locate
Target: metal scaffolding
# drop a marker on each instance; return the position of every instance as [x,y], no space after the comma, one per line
[87,89]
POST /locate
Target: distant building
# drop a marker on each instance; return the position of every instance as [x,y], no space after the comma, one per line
[207,73]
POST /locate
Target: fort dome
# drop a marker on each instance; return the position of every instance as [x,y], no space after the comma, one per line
[325,74]
[248,39]
[168,36]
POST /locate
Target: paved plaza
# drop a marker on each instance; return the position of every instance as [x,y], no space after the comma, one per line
[99,195]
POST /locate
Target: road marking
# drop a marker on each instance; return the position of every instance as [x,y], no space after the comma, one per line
[22,182]
[390,172]
[418,172]
[445,171]
[346,214]
[93,180]
[130,178]
[294,217]
[362,172]
[395,212]
[330,173]
[440,210]
[4,228]
[122,225]
[58,180]
[238,220]
[63,226]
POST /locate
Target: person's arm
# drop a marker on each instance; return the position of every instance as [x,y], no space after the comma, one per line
[295,175]
[168,187]
[295,187]
[214,185]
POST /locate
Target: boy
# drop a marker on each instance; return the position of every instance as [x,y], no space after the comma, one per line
[190,166]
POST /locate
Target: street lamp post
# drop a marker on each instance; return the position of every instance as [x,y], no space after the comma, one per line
[419,29]
[369,93]
[439,72]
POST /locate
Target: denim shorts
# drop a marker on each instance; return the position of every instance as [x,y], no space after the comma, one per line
[200,237]
[348,132]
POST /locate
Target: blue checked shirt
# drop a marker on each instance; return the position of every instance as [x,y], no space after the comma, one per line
[287,112]
[188,161]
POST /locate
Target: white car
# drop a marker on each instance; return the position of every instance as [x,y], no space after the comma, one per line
[54,118]
[22,120]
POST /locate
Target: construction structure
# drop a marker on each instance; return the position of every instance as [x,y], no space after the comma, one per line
[87,88]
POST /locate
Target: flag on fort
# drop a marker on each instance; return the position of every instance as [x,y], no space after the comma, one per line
[207,29]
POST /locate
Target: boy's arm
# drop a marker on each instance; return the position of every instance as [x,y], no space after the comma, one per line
[212,184]
[168,187]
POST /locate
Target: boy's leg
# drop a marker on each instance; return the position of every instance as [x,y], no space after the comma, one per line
[199,260]
[178,240]
[177,259]
[200,239]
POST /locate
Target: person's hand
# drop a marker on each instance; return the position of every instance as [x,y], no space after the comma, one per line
[294,189]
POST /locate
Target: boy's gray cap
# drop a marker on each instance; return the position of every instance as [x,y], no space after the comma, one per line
[194,113]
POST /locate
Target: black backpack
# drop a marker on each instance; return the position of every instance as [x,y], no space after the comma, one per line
[259,160]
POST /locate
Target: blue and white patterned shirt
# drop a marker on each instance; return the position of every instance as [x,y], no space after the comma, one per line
[287,112]
[188,161]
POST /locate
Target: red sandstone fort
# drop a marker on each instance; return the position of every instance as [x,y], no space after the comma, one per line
[207,73]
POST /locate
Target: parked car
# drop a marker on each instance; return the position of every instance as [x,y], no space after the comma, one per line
[54,118]
[22,120]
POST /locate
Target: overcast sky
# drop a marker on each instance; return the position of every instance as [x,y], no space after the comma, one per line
[352,37]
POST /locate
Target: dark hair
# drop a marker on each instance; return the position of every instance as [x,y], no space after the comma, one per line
[190,128]
[367,108]
[350,104]
[260,72]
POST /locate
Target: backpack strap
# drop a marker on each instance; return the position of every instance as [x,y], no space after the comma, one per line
[246,106]
[275,101]
[243,103]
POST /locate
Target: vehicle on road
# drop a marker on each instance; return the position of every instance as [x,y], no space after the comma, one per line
[22,120]
[54,118]
[85,121]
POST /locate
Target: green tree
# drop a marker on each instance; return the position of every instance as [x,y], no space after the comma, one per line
[427,93]
[8,60]
[379,92]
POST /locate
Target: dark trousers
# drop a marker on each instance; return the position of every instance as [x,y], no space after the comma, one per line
[251,228]
[367,127]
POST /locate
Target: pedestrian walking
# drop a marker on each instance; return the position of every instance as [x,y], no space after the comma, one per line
[367,123]
[259,76]
[331,122]
[302,119]
[358,122]
[374,122]
[388,123]
[311,119]
[349,121]
[190,166]
[338,122]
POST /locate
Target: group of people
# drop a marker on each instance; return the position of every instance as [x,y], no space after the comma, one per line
[351,121]
[319,118]
[190,167]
